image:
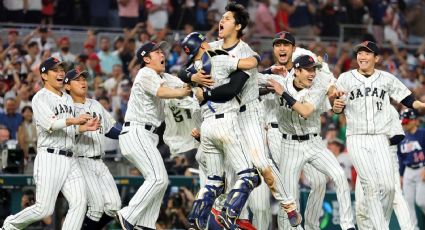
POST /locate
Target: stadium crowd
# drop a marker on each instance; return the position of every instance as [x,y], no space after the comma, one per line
[395,25]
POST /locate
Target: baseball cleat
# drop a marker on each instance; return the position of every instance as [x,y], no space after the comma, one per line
[294,218]
[125,225]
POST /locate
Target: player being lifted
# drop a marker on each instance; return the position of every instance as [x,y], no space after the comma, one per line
[138,139]
[365,100]
[102,192]
[303,98]
[55,169]
[220,134]
[234,20]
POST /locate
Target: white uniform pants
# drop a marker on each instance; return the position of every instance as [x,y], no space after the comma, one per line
[54,173]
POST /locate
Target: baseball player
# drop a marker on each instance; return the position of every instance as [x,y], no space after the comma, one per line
[302,102]
[56,168]
[284,52]
[364,99]
[181,116]
[400,206]
[138,139]
[410,152]
[102,192]
[220,134]
[233,21]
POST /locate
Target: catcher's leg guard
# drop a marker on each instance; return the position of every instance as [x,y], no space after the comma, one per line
[237,197]
[204,201]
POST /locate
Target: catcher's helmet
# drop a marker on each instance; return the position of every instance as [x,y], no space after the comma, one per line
[191,44]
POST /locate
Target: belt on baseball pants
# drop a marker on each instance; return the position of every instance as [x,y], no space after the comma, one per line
[147,127]
[416,166]
[298,138]
[218,116]
[60,152]
[274,125]
[94,157]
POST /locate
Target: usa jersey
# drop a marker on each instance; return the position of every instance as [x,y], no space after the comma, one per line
[411,149]
[49,107]
[368,100]
[91,144]
[242,50]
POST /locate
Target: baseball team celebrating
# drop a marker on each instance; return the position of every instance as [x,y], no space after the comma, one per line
[255,132]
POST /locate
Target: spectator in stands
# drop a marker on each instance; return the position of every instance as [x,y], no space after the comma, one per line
[27,133]
[264,21]
[415,20]
[64,54]
[128,11]
[116,76]
[157,13]
[14,10]
[23,95]
[44,38]
[33,56]
[201,10]
[377,10]
[329,18]
[88,48]
[337,147]
[107,58]
[301,13]
[395,29]
[47,12]
[12,38]
[10,118]
[33,14]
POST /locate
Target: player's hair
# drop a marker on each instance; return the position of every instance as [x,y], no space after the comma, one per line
[104,98]
[240,14]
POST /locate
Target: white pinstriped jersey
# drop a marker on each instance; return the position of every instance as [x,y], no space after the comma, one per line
[181,116]
[90,144]
[270,106]
[290,122]
[395,124]
[368,100]
[221,67]
[242,50]
[49,107]
[144,106]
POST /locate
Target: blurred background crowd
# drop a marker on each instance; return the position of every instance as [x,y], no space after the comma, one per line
[102,36]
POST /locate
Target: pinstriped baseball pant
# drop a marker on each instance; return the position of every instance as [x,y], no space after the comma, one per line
[54,173]
[138,145]
[373,162]
[314,152]
[102,191]
[317,181]
[400,206]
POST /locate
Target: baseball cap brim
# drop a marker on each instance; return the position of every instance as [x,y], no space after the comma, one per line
[161,46]
[405,121]
[313,65]
[283,40]
[361,46]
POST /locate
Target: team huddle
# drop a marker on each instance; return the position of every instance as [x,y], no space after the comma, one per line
[256,133]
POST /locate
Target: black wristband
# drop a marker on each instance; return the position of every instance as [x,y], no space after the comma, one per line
[207,95]
[267,71]
[289,99]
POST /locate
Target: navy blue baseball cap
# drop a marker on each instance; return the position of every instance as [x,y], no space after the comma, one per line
[149,47]
[73,74]
[50,63]
[191,44]
[368,46]
[306,62]
[284,36]
[408,115]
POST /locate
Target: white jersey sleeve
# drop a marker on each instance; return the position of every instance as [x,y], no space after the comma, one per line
[398,91]
[224,64]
